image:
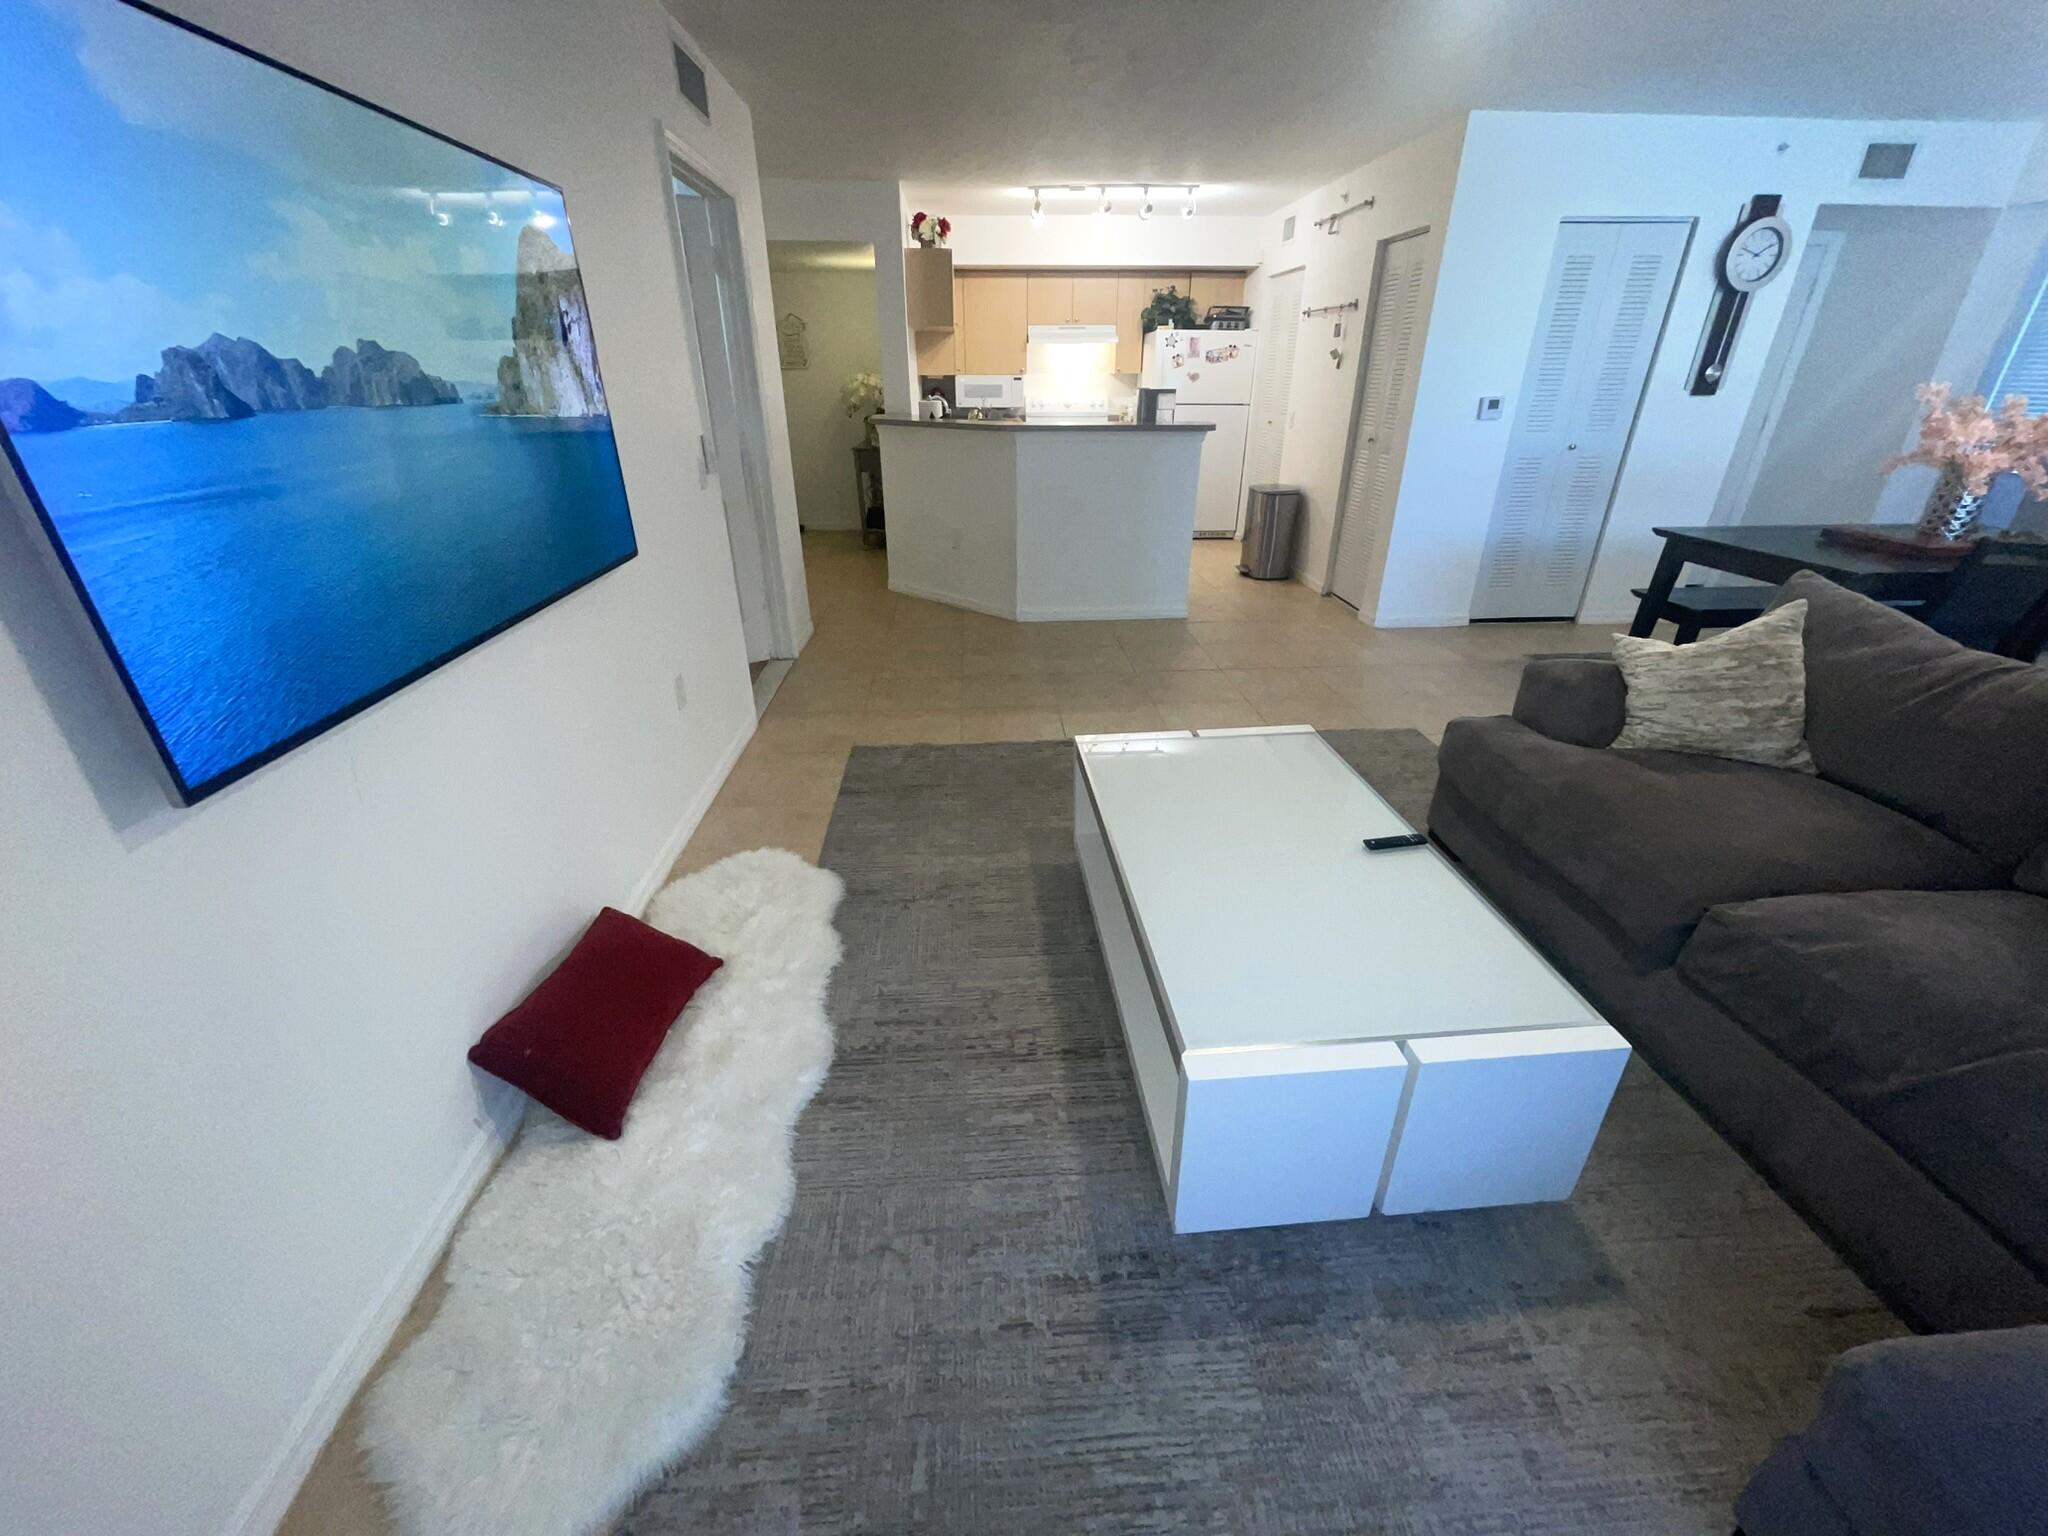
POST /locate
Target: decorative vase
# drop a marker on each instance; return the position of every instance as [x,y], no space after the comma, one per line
[1952,511]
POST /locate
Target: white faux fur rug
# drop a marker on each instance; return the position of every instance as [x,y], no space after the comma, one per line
[597,1291]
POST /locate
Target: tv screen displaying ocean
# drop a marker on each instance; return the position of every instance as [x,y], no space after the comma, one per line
[260,576]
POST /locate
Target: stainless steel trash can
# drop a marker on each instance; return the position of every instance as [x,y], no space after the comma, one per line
[1272,514]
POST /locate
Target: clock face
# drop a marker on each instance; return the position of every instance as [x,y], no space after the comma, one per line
[1757,254]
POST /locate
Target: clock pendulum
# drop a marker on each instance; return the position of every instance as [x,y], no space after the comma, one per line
[1754,252]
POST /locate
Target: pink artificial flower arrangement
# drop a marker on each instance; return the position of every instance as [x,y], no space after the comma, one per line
[1977,444]
[926,230]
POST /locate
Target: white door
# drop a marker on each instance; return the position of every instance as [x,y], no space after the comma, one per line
[1220,495]
[1603,313]
[1379,432]
[1281,328]
[721,333]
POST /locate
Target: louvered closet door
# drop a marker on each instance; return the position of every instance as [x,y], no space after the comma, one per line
[1385,398]
[1603,311]
[1279,329]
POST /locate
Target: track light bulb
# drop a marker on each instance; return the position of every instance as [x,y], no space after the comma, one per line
[1103,206]
[1187,209]
[1037,207]
[1145,208]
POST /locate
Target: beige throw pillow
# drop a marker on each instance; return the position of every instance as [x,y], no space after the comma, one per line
[1739,695]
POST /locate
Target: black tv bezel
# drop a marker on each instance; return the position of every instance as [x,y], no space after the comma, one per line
[189,793]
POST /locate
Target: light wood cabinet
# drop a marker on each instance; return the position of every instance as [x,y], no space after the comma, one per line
[1095,300]
[993,306]
[1133,293]
[928,288]
[938,352]
[1208,288]
[993,311]
[1048,298]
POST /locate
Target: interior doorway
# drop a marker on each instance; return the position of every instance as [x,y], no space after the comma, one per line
[1278,334]
[722,356]
[830,352]
[1379,424]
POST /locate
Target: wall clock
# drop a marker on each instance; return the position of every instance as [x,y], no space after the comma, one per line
[1755,251]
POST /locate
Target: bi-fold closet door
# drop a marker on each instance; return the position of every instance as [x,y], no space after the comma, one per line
[1603,311]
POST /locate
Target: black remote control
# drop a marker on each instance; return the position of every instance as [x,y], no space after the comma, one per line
[1405,840]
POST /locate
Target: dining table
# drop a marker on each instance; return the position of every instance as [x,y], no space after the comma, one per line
[1772,552]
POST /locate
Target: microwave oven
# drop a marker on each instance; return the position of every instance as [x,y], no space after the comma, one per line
[988,392]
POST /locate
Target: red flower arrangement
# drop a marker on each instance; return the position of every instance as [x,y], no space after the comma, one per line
[928,231]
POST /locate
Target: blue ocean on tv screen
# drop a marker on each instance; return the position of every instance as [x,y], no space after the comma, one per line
[258,576]
[307,395]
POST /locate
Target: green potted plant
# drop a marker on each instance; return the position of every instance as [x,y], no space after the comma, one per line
[1170,310]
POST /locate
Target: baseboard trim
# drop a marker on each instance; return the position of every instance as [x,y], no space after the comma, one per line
[1420,620]
[656,875]
[1055,615]
[264,1506]
[934,595]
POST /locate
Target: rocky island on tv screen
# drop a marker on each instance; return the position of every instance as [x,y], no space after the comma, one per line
[306,396]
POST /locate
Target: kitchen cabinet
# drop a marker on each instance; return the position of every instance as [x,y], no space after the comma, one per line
[938,352]
[1095,300]
[1133,293]
[992,305]
[1208,288]
[928,288]
[1048,298]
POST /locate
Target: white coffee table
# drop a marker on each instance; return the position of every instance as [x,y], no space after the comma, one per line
[1318,1032]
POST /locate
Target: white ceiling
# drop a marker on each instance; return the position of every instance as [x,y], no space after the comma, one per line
[1270,97]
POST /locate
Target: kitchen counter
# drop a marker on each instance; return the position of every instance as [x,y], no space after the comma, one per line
[1050,426]
[1043,520]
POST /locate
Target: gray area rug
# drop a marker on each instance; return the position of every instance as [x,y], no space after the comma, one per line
[977,1321]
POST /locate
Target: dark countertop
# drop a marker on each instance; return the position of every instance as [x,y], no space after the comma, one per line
[1049,426]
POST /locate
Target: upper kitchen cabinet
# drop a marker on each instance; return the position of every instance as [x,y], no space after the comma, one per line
[928,288]
[1207,288]
[1095,300]
[992,311]
[1048,298]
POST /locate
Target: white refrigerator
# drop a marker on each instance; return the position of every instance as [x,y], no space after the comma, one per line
[1211,374]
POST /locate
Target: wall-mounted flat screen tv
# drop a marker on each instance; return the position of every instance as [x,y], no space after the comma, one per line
[305,395]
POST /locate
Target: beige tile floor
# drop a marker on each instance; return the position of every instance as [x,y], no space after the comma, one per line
[884,669]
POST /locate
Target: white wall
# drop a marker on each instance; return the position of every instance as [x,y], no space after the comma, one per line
[1118,240]
[838,310]
[1878,331]
[1411,188]
[1521,173]
[866,211]
[234,1115]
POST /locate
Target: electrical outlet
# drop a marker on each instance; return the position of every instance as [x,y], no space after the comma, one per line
[1489,407]
[682,694]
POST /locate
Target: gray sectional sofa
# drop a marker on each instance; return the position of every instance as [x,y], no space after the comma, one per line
[1846,972]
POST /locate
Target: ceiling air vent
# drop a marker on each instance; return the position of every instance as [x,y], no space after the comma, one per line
[1287,227]
[690,81]
[1886,162]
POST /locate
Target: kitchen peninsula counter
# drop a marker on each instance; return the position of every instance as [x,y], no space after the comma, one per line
[1042,520]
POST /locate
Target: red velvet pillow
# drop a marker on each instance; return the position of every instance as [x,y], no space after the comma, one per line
[583,1038]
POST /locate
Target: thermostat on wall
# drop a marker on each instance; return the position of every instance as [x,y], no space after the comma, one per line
[1489,407]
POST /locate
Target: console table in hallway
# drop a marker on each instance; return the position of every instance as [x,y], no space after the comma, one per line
[1772,553]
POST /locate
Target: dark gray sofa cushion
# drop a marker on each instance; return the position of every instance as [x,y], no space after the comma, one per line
[1917,1437]
[1878,987]
[1953,737]
[1923,1013]
[1579,699]
[1650,841]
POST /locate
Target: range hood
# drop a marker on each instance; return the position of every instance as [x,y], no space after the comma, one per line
[1092,335]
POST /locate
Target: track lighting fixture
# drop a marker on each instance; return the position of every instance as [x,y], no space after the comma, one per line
[1187,209]
[1037,207]
[1145,208]
[1103,206]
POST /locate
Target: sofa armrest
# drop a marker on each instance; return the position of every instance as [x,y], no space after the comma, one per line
[1574,699]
